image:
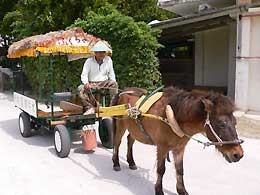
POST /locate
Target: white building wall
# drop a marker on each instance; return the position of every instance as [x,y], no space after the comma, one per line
[212,57]
[254,70]
[242,65]
[248,66]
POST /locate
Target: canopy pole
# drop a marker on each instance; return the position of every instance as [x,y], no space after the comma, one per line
[51,84]
[40,77]
[61,78]
[22,79]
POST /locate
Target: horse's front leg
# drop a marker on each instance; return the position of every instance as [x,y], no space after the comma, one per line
[178,162]
[130,159]
[161,156]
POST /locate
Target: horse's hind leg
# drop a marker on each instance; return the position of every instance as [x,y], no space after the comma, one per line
[161,156]
[178,162]
[130,159]
[119,132]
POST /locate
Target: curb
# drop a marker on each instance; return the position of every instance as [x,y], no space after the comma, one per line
[248,124]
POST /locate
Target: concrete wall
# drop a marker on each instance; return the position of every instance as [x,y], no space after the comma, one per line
[248,66]
[254,69]
[214,51]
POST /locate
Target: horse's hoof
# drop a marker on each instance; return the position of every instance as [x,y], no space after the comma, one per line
[182,192]
[132,167]
[159,193]
[117,168]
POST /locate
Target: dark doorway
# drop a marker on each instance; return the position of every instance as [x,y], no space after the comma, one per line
[177,64]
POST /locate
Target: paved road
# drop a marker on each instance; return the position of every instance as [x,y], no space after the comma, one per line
[30,167]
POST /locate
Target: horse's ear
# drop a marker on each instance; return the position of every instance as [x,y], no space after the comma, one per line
[208,105]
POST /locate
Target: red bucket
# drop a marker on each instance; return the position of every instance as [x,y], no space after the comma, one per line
[89,139]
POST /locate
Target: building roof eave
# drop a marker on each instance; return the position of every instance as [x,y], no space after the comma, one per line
[178,28]
[179,21]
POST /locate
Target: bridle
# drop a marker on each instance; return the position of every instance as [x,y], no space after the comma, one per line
[219,142]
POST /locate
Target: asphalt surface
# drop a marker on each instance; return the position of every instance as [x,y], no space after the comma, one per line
[29,166]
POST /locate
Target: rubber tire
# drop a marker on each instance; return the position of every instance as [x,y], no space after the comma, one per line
[106,133]
[65,143]
[24,118]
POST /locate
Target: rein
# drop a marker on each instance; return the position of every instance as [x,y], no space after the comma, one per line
[207,144]
[134,113]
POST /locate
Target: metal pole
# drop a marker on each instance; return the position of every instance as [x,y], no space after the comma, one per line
[51,83]
[22,80]
[40,78]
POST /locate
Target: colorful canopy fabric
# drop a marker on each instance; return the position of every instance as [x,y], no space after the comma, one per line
[70,42]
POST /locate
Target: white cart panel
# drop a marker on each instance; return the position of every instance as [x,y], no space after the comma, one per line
[25,103]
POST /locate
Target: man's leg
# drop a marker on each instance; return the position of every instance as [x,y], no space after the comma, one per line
[84,95]
[110,86]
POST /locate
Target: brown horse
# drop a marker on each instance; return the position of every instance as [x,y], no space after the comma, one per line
[192,111]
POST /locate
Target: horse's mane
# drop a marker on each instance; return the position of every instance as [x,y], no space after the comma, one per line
[188,104]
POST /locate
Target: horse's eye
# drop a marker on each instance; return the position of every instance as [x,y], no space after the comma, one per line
[222,124]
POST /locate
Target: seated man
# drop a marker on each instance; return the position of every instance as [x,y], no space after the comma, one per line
[97,72]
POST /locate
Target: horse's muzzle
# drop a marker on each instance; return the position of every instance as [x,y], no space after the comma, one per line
[233,158]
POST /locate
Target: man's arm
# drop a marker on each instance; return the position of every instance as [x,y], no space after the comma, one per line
[111,73]
[85,72]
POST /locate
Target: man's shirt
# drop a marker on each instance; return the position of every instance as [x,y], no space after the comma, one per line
[94,72]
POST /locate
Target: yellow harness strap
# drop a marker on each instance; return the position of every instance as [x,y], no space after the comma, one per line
[171,121]
[148,103]
[175,127]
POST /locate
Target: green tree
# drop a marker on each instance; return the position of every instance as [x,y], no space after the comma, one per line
[5,35]
[32,17]
[134,43]
[5,7]
[143,10]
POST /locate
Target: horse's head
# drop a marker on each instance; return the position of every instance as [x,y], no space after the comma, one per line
[220,126]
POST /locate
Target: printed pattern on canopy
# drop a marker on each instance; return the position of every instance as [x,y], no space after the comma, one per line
[70,42]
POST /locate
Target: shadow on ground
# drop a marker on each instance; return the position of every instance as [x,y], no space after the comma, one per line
[39,138]
[139,181]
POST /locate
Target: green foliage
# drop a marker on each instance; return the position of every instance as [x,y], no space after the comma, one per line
[134,43]
[134,47]
[29,17]
[33,17]
[66,74]
[5,7]
[143,10]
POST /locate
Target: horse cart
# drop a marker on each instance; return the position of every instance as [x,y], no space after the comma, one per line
[60,112]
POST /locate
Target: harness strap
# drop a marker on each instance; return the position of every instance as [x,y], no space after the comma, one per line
[141,127]
[148,103]
[207,122]
[149,95]
[135,113]
[175,129]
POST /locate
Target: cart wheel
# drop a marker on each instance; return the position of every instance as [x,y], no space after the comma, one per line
[25,125]
[106,133]
[61,141]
